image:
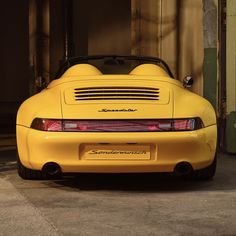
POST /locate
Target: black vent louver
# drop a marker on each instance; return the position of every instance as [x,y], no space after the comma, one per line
[116,93]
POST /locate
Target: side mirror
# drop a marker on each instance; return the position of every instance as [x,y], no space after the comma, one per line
[188,81]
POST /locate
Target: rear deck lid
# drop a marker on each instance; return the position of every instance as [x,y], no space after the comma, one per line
[116,99]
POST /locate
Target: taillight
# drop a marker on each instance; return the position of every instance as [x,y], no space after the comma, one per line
[186,124]
[117,125]
[47,124]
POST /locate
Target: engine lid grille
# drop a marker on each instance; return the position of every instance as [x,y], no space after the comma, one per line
[78,95]
[116,93]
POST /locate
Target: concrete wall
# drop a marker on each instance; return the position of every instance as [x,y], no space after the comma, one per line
[39,41]
[57,35]
[14,48]
[102,27]
[14,61]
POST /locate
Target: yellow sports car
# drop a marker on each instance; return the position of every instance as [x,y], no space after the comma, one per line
[116,114]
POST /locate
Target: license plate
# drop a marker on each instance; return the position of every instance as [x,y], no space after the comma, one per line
[116,152]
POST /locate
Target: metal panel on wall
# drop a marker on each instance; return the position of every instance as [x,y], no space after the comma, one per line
[231,77]
[172,30]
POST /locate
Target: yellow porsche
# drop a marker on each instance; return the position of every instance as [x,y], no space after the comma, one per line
[116,114]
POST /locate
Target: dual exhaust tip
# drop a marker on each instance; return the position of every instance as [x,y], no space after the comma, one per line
[183,168]
[53,170]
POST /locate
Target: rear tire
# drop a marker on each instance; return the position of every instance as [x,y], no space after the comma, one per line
[207,173]
[26,173]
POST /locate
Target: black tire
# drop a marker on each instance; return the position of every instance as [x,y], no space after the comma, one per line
[207,173]
[26,173]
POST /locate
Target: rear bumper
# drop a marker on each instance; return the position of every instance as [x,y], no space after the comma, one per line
[36,148]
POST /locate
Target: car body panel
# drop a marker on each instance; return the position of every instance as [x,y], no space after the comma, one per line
[50,102]
[67,149]
[71,109]
[46,103]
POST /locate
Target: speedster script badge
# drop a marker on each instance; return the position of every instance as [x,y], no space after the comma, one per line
[117,110]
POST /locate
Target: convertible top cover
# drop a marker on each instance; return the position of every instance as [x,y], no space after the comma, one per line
[112,64]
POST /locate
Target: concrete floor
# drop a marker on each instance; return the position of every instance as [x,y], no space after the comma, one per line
[117,204]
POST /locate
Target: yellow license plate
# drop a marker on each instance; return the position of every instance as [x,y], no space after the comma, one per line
[116,152]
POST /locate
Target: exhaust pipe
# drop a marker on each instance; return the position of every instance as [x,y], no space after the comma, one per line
[51,169]
[183,168]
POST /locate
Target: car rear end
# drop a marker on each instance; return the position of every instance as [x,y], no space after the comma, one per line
[115,125]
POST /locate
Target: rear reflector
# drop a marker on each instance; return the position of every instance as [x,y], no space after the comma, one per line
[117,125]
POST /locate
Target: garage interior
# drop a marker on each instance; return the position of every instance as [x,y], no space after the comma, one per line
[191,36]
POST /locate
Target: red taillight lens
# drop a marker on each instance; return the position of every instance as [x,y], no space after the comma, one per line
[69,125]
[47,124]
[117,125]
[180,125]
